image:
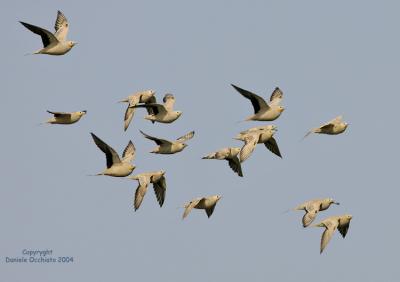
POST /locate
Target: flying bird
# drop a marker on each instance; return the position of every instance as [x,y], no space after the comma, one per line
[162,113]
[258,135]
[115,166]
[333,127]
[169,147]
[159,185]
[53,44]
[332,223]
[312,207]
[229,154]
[263,111]
[65,118]
[206,203]
[146,96]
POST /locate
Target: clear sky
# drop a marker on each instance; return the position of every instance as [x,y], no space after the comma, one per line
[329,58]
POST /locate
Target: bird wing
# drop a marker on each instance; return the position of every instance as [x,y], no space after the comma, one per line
[257,101]
[210,210]
[327,235]
[311,209]
[130,111]
[157,140]
[156,108]
[186,137]
[169,102]
[61,26]
[343,228]
[309,217]
[150,110]
[140,191]
[273,146]
[234,164]
[276,96]
[248,147]
[129,153]
[328,126]
[160,187]
[47,37]
[111,156]
[189,206]
[337,119]
[59,114]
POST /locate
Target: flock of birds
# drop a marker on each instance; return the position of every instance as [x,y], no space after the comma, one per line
[116,166]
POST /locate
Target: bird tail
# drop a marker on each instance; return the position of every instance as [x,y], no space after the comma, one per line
[308,133]
[126,100]
[209,156]
[42,123]
[288,210]
[98,174]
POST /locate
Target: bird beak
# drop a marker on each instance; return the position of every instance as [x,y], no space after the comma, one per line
[336,203]
[123,101]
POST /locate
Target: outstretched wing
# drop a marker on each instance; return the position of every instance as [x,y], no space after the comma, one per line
[140,191]
[309,217]
[273,146]
[234,164]
[169,101]
[155,108]
[111,156]
[47,37]
[210,210]
[189,206]
[343,228]
[276,96]
[129,153]
[248,147]
[130,111]
[327,235]
[61,26]
[186,137]
[257,102]
[157,140]
[60,114]
[160,187]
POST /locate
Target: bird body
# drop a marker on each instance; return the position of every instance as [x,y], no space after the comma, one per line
[333,127]
[263,111]
[144,179]
[115,166]
[169,147]
[332,223]
[65,118]
[229,154]
[206,203]
[53,44]
[162,113]
[312,207]
[258,135]
[146,97]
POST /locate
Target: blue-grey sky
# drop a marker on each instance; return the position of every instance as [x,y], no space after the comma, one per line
[329,58]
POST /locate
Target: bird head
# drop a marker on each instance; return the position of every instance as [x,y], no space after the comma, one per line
[72,43]
[332,201]
[281,109]
[348,216]
[81,113]
[131,167]
[178,113]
